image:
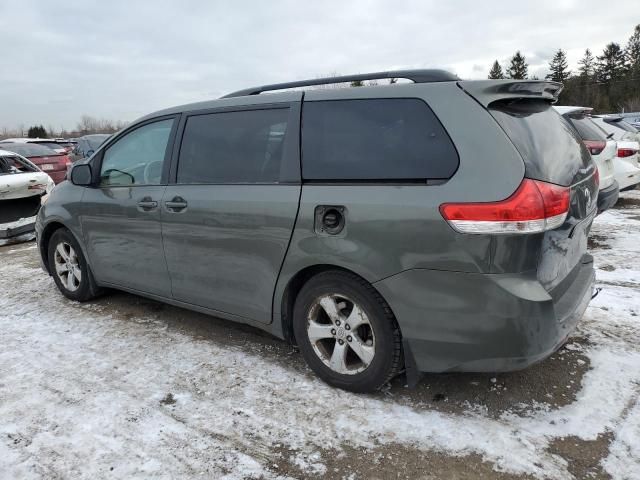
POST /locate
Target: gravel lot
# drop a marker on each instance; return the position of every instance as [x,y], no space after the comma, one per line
[126,387]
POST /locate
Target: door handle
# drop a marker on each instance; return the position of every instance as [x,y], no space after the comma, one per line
[147,204]
[177,204]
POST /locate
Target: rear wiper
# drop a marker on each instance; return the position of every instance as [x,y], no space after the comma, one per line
[610,136]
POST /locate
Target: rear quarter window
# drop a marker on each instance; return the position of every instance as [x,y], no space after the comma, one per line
[376,139]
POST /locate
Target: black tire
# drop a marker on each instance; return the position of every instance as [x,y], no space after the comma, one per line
[87,288]
[386,339]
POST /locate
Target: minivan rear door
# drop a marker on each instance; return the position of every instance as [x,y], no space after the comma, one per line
[230,211]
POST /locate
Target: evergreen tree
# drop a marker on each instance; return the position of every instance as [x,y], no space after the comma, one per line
[518,68]
[587,64]
[37,131]
[632,52]
[611,64]
[559,67]
[496,72]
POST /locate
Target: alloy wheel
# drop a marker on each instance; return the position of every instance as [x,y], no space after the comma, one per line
[341,335]
[67,267]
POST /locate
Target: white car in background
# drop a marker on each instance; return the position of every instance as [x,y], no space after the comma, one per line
[23,186]
[603,151]
[627,162]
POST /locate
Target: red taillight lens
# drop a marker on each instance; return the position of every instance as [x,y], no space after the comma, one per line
[534,207]
[595,146]
[65,160]
[626,152]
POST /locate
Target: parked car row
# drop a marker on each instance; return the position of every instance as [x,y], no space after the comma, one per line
[614,145]
[54,156]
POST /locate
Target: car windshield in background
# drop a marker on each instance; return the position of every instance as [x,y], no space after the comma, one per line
[587,129]
[95,141]
[52,145]
[10,165]
[29,149]
[626,126]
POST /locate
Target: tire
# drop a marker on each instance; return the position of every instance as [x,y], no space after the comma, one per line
[75,282]
[335,307]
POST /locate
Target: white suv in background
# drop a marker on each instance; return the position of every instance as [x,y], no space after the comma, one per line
[602,149]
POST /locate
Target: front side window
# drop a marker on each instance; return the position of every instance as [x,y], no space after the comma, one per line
[377,139]
[138,157]
[233,147]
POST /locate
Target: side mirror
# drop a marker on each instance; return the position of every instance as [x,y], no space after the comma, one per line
[81,175]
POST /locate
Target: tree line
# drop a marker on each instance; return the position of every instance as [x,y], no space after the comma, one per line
[86,125]
[609,82]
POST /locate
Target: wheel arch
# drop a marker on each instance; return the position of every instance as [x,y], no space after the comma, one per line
[293,287]
[47,232]
[45,237]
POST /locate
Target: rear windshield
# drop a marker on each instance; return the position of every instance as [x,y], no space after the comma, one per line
[29,149]
[587,128]
[375,139]
[551,149]
[627,127]
[51,145]
[10,165]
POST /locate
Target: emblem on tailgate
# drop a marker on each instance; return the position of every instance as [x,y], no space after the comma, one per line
[587,197]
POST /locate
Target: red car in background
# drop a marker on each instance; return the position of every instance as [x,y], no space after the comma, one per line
[49,161]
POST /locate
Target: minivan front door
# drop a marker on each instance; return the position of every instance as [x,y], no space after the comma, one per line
[228,219]
[121,215]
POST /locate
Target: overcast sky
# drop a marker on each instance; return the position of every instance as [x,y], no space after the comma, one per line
[122,59]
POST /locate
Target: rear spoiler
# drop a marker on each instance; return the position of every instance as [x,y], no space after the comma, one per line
[488,91]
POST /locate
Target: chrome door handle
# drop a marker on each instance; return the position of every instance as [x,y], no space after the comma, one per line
[177,204]
[147,204]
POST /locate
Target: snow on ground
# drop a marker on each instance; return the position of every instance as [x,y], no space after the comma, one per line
[86,392]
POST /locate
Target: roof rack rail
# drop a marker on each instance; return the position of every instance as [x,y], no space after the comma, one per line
[417,76]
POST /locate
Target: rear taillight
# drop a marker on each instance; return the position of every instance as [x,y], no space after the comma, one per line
[534,207]
[595,146]
[626,152]
[66,161]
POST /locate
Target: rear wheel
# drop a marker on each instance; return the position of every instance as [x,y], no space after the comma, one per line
[347,332]
[69,268]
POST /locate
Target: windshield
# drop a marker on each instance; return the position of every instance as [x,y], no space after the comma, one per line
[10,165]
[95,141]
[551,149]
[587,128]
[29,149]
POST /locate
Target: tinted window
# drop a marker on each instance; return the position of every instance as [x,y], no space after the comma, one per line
[137,158]
[550,147]
[587,128]
[233,147]
[379,139]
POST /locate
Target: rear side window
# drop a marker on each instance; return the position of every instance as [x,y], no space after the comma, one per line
[377,139]
[233,147]
[550,147]
[587,128]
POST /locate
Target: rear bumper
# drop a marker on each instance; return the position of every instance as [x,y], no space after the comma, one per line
[454,321]
[608,197]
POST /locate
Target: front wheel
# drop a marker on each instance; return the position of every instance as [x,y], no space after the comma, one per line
[69,268]
[347,332]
